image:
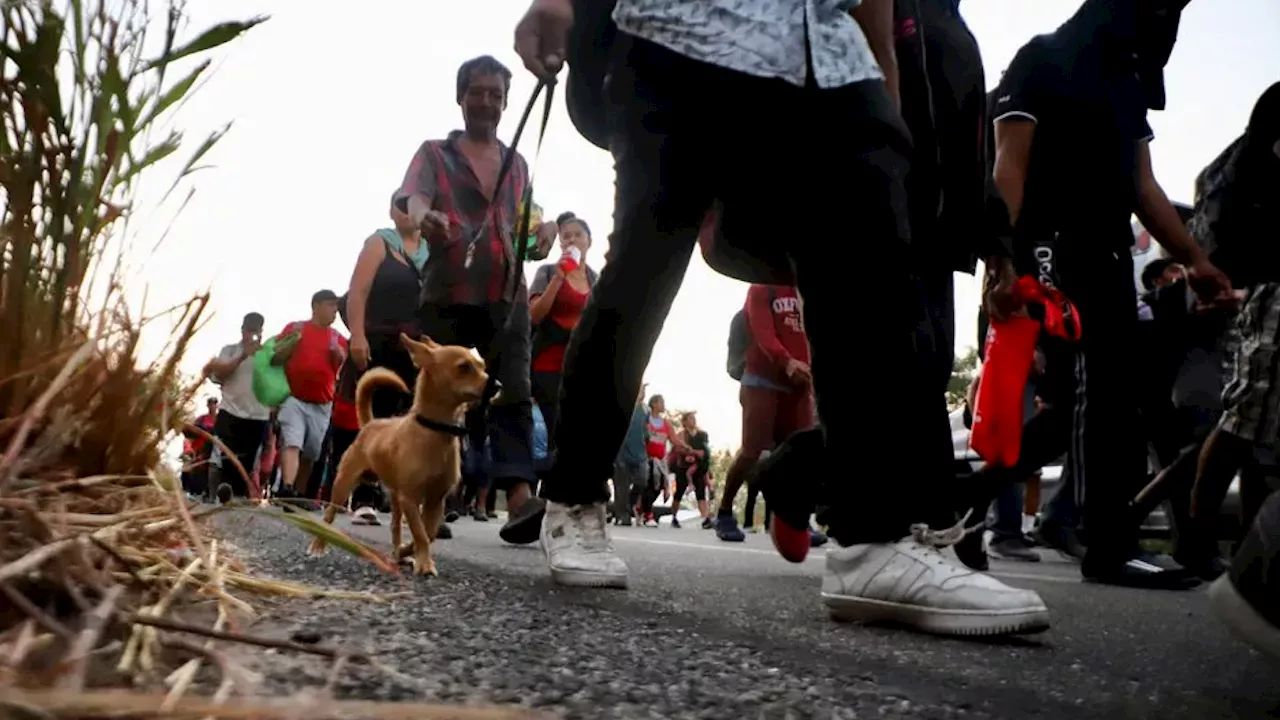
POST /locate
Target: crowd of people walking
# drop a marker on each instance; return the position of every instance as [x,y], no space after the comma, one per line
[943,176]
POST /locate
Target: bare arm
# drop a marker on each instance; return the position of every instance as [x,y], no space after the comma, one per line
[876,19]
[220,368]
[1013,153]
[371,256]
[1159,216]
[542,296]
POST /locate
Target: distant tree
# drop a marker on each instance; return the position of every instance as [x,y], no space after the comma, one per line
[966,367]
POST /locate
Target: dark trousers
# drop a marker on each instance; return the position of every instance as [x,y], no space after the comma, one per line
[936,342]
[1093,412]
[689,134]
[505,348]
[244,438]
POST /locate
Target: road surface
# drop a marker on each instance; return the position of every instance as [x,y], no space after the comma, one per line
[714,630]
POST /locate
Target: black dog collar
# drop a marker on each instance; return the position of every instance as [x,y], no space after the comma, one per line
[446,428]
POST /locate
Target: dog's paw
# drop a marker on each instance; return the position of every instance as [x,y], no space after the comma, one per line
[425,567]
[405,551]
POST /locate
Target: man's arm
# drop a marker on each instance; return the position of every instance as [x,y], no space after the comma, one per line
[420,186]
[876,19]
[284,346]
[763,332]
[221,367]
[1158,215]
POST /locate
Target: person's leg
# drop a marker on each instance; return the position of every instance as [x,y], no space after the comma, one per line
[1007,540]
[759,411]
[246,442]
[698,479]
[665,145]
[623,481]
[1247,599]
[293,435]
[682,484]
[511,423]
[749,510]
[546,392]
[879,519]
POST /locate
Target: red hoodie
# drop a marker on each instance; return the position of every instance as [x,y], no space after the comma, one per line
[777,332]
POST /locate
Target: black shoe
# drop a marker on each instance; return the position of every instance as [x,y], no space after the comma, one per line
[708,523]
[971,552]
[224,493]
[1013,548]
[444,532]
[451,516]
[1247,598]
[1205,565]
[491,515]
[1147,571]
[674,522]
[524,524]
[1065,540]
[626,522]
[288,499]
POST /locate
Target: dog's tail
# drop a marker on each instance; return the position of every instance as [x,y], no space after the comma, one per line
[370,381]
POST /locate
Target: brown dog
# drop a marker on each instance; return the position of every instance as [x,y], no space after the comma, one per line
[416,455]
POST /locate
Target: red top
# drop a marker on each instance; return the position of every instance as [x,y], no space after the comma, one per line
[657,433]
[566,311]
[344,415]
[204,422]
[312,369]
[777,332]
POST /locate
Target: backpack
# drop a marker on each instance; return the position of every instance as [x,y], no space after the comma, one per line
[740,340]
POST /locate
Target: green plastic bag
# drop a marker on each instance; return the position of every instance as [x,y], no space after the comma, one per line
[270,385]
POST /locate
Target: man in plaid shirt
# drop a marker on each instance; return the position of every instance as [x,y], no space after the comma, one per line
[472,294]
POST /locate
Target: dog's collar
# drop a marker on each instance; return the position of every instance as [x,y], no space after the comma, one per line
[446,428]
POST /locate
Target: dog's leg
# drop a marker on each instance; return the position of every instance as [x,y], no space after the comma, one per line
[432,516]
[349,470]
[422,562]
[397,532]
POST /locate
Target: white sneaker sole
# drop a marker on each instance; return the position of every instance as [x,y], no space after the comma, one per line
[1237,614]
[588,579]
[940,622]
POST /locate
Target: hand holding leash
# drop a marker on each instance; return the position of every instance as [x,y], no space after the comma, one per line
[542,35]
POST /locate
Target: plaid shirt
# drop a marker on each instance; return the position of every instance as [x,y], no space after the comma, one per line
[440,172]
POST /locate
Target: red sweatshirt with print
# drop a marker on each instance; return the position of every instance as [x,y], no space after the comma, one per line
[777,332]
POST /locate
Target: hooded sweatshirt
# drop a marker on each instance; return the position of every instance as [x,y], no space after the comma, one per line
[1088,86]
[1237,212]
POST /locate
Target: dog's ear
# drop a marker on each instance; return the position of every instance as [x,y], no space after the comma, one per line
[429,343]
[417,349]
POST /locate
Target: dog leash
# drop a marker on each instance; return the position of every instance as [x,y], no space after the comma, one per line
[504,171]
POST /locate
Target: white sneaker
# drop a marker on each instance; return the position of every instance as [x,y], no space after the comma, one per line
[910,582]
[578,549]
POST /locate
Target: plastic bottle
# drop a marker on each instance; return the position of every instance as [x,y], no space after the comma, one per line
[570,260]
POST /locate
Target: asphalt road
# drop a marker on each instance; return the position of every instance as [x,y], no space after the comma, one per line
[713,630]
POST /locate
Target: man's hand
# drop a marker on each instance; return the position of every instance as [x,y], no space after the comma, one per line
[435,222]
[1001,302]
[249,349]
[547,234]
[360,352]
[542,36]
[1210,284]
[799,372]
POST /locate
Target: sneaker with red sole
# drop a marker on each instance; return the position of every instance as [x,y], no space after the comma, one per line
[789,478]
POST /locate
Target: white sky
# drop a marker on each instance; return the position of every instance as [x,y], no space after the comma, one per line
[330,101]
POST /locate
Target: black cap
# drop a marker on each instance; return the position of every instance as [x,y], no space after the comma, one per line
[324,296]
[252,321]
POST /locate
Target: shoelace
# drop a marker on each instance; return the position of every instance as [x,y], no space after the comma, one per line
[591,522]
[938,539]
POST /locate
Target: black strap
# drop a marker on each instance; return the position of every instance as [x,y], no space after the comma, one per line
[440,427]
[522,226]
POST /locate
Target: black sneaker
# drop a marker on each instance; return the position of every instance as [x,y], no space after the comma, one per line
[1247,599]
[444,532]
[1064,539]
[1147,571]
[971,552]
[708,523]
[524,524]
[224,493]
[1013,548]
[288,499]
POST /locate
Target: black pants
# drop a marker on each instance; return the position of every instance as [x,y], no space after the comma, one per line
[546,392]
[683,481]
[505,348]
[244,438]
[689,134]
[1093,402]
[936,342]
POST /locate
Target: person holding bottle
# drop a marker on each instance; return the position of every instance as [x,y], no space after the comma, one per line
[557,297]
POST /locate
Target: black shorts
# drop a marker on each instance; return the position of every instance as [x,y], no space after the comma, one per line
[244,438]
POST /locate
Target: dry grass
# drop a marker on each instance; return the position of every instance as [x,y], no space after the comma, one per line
[110,577]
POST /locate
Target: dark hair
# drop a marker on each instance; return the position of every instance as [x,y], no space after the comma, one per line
[691,414]
[1154,270]
[568,217]
[654,400]
[483,65]
[252,319]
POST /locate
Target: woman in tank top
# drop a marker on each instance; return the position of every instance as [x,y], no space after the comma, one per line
[380,304]
[557,298]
